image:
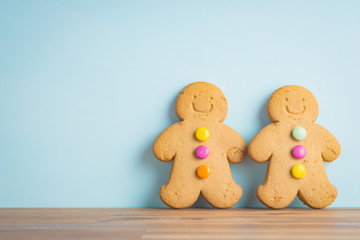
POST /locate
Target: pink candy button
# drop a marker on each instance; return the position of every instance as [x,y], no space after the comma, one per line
[202,152]
[298,152]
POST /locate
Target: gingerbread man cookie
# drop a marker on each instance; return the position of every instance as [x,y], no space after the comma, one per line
[296,148]
[200,146]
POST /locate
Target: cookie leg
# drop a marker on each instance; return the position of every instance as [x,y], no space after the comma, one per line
[276,196]
[179,195]
[222,196]
[318,194]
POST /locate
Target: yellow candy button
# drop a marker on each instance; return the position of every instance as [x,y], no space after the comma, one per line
[203,171]
[298,171]
[202,134]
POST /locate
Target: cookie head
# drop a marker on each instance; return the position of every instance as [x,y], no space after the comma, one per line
[201,100]
[292,102]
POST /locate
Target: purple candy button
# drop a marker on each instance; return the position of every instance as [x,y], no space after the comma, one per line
[298,152]
[202,152]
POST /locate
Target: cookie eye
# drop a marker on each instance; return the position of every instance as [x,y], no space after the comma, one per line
[286,99]
[211,98]
[303,99]
[194,96]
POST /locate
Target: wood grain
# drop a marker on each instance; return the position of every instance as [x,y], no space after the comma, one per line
[179,224]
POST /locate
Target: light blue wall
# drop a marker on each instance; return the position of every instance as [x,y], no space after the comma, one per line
[86,86]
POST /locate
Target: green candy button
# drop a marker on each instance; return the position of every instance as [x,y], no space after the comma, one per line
[299,133]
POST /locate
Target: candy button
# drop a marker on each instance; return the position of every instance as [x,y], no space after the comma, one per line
[299,133]
[202,134]
[298,171]
[298,152]
[202,152]
[203,171]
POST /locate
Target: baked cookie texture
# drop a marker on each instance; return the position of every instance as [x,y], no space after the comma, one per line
[295,147]
[201,147]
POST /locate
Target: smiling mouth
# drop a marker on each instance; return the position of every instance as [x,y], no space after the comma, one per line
[293,112]
[206,111]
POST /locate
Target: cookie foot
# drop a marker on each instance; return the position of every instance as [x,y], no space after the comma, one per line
[224,196]
[318,195]
[276,196]
[179,196]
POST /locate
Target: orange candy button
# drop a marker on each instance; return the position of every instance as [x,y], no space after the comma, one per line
[203,171]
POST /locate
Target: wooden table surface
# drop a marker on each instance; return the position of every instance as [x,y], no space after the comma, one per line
[131,223]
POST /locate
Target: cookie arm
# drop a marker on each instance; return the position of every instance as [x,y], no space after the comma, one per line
[164,146]
[330,147]
[235,145]
[261,146]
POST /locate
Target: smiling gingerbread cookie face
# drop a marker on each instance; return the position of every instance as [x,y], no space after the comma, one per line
[292,102]
[199,100]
